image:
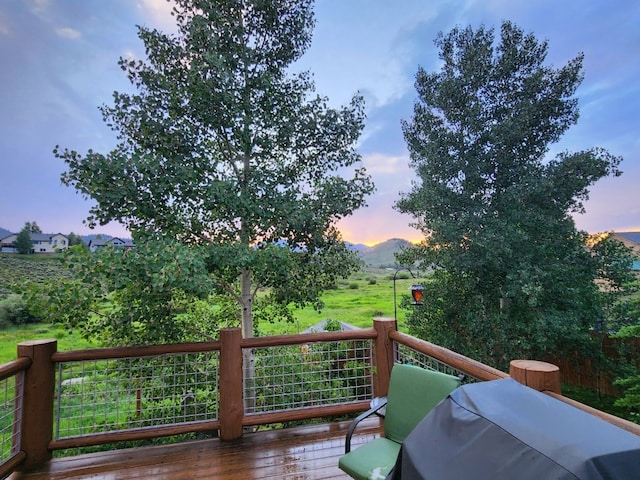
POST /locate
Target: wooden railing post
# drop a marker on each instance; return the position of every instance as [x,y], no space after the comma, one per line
[37,405]
[231,408]
[540,376]
[383,354]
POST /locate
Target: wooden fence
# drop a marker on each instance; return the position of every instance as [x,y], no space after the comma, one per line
[579,371]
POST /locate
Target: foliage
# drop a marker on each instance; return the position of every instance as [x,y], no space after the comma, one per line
[604,403]
[15,311]
[514,276]
[75,240]
[224,148]
[144,288]
[23,242]
[629,383]
[32,227]
[311,374]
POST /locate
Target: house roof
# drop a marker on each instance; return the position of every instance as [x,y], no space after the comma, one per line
[44,236]
[36,236]
[101,242]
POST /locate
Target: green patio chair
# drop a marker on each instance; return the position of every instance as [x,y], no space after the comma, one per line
[413,392]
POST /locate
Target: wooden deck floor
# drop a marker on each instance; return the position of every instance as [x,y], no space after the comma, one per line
[301,453]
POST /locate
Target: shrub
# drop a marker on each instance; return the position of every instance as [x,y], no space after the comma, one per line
[372,281]
[14,310]
[353,286]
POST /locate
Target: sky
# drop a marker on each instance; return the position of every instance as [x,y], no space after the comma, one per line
[59,64]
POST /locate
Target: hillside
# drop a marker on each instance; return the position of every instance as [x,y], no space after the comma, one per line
[15,269]
[383,254]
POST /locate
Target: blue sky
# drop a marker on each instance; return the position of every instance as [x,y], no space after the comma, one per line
[59,63]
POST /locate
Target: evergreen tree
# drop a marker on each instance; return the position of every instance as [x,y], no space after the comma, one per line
[23,242]
[513,275]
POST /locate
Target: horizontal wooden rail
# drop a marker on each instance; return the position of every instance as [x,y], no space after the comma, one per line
[16,366]
[306,413]
[143,433]
[451,358]
[302,338]
[12,463]
[133,352]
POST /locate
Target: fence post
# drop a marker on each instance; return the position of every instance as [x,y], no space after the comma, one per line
[231,411]
[383,354]
[37,405]
[541,376]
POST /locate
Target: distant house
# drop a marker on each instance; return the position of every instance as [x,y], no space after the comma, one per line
[631,240]
[42,242]
[115,242]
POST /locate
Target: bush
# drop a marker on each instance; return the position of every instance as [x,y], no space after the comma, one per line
[353,286]
[14,311]
[372,281]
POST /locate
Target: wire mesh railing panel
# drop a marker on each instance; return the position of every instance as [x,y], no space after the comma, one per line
[120,394]
[11,397]
[307,375]
[405,354]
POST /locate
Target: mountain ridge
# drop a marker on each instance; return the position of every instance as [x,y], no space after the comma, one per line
[383,254]
[379,255]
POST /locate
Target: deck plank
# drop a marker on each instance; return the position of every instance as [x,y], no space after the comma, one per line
[300,453]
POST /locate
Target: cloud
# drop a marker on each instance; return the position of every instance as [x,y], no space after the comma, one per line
[39,7]
[68,33]
[158,13]
[379,163]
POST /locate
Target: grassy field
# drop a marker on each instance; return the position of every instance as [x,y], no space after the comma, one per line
[356,301]
[67,340]
[16,268]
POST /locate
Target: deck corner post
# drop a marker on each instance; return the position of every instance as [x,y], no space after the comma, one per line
[37,404]
[383,354]
[541,376]
[231,409]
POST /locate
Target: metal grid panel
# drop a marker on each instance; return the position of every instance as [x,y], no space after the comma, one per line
[113,395]
[406,354]
[312,374]
[11,397]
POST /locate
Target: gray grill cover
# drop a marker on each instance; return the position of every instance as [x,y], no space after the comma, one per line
[504,430]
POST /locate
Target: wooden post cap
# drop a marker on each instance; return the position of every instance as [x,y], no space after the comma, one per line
[540,376]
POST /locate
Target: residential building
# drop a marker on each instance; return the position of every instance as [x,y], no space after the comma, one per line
[117,243]
[42,243]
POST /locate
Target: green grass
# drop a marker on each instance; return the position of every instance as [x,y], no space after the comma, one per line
[67,339]
[355,306]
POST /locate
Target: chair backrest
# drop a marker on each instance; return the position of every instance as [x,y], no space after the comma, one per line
[413,392]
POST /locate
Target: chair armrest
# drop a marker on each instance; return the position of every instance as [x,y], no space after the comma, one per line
[379,403]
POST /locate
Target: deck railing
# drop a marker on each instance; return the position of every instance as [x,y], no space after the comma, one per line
[11,408]
[57,400]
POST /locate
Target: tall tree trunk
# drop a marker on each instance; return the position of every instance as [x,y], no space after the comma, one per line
[248,357]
